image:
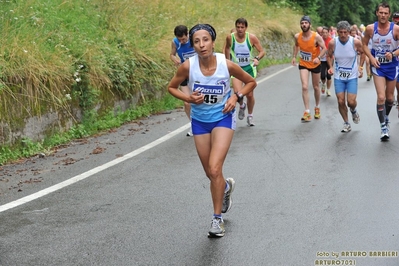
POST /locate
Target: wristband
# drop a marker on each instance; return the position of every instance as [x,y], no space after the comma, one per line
[239,96]
[257,58]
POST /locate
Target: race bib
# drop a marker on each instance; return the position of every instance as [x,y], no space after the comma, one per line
[344,72]
[243,59]
[212,93]
[382,59]
[305,56]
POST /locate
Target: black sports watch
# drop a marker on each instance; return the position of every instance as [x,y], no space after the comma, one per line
[239,96]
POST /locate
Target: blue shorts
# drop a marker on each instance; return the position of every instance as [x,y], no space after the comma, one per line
[349,86]
[199,128]
[388,73]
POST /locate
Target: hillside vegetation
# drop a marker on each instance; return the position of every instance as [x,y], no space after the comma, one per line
[78,58]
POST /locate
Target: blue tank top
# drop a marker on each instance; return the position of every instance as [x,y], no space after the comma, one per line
[185,51]
[216,90]
[382,44]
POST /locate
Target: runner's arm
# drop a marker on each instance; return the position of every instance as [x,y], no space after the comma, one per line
[256,43]
[172,55]
[330,56]
[227,46]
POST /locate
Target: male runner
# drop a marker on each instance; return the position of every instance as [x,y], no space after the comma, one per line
[308,44]
[395,19]
[239,48]
[345,49]
[384,63]
[181,46]
[325,76]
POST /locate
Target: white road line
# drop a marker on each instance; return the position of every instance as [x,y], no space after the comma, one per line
[274,74]
[91,172]
[100,168]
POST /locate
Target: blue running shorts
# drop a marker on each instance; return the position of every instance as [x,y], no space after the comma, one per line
[388,73]
[199,128]
[349,86]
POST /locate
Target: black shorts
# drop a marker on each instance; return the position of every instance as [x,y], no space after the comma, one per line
[184,83]
[324,71]
[315,70]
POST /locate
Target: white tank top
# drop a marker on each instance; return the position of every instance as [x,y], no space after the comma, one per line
[382,44]
[345,60]
[216,89]
[241,51]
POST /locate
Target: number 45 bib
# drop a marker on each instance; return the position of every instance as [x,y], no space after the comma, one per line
[212,93]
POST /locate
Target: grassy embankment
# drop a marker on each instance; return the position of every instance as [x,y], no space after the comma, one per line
[60,54]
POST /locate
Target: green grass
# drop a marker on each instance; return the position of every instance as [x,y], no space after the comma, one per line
[57,55]
[28,148]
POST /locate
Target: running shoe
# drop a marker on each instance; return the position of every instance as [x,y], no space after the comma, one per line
[384,132]
[241,113]
[217,228]
[347,127]
[328,93]
[227,201]
[323,88]
[387,121]
[356,117]
[317,113]
[189,134]
[368,77]
[250,121]
[306,117]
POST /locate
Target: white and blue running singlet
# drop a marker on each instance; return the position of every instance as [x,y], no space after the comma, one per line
[380,46]
[215,88]
[185,51]
[345,59]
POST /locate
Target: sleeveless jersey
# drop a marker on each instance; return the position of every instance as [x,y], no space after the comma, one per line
[216,90]
[241,51]
[185,51]
[382,44]
[308,51]
[345,59]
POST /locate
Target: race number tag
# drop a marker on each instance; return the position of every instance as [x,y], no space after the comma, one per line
[305,56]
[382,59]
[243,59]
[344,72]
[212,93]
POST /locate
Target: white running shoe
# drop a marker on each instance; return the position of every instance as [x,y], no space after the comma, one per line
[347,127]
[250,121]
[227,202]
[241,113]
[384,133]
[356,117]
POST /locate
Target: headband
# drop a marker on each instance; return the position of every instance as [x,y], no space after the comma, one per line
[198,27]
[306,18]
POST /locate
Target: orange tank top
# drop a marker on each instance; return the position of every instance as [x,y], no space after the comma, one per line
[308,51]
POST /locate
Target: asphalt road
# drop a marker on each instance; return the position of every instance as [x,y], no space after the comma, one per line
[306,194]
